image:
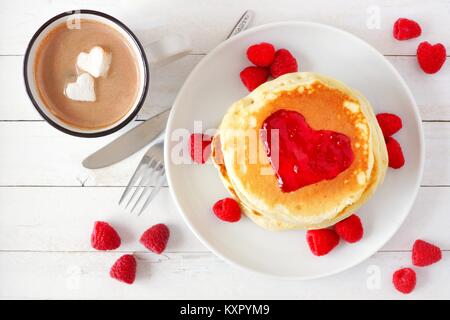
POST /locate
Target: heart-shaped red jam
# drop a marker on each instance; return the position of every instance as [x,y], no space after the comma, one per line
[300,155]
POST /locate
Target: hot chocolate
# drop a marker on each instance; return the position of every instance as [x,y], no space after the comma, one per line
[114,88]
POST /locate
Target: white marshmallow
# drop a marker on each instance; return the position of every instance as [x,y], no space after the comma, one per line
[82,89]
[96,62]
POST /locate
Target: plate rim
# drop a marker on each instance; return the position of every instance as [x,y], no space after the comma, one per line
[176,105]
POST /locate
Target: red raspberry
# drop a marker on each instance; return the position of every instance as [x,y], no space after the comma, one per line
[199,147]
[227,210]
[104,237]
[283,63]
[253,77]
[350,229]
[431,57]
[155,238]
[424,253]
[322,241]
[124,269]
[404,280]
[389,123]
[261,54]
[405,29]
[395,153]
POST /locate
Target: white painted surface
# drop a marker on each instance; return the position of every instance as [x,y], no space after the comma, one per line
[46,216]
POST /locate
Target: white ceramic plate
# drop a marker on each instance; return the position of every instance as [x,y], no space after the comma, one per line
[214,85]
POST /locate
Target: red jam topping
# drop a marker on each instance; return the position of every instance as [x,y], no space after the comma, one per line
[305,156]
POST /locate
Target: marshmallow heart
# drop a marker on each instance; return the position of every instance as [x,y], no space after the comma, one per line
[82,89]
[96,62]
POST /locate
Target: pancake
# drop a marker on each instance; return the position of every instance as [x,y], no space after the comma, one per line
[326,105]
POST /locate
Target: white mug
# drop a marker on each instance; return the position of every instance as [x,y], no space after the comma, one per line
[169,48]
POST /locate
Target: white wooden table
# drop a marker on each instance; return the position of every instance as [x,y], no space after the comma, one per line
[48,201]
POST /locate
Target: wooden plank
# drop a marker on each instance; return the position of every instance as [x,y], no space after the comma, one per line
[61,219]
[41,213]
[431,92]
[208,23]
[34,153]
[437,154]
[36,275]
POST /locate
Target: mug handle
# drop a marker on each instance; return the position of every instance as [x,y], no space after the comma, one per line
[168,49]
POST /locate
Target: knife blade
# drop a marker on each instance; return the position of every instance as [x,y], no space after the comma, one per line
[140,136]
[128,143]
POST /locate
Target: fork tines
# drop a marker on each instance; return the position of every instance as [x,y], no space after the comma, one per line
[149,172]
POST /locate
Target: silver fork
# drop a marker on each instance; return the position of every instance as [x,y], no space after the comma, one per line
[150,170]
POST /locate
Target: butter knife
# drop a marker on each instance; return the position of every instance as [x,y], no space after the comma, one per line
[128,143]
[140,136]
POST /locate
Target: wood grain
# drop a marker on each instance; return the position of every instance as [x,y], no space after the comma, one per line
[209,22]
[59,275]
[431,92]
[61,219]
[48,201]
[48,157]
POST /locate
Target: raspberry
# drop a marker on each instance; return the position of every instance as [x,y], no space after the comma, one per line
[424,253]
[227,210]
[395,153]
[389,123]
[405,29]
[253,77]
[322,241]
[155,238]
[124,269]
[431,57]
[104,237]
[350,229]
[283,63]
[261,54]
[404,280]
[199,147]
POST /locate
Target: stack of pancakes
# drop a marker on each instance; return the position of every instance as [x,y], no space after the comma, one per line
[325,104]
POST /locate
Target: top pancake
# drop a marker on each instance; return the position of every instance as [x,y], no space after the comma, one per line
[326,105]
